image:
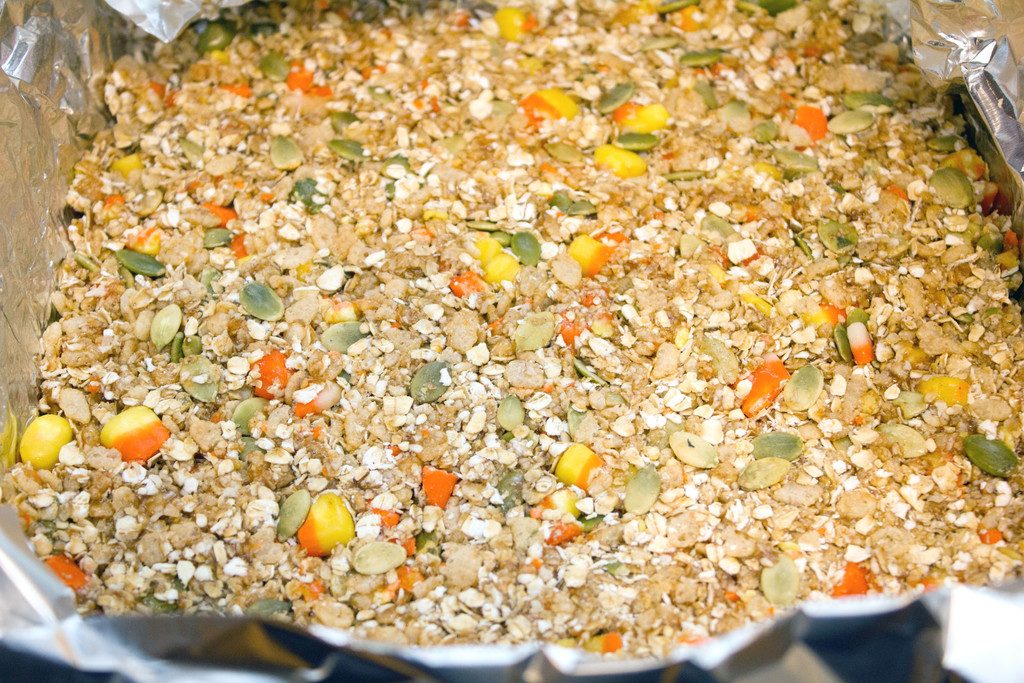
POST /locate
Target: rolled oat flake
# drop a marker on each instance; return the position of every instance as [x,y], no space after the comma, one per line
[378,557]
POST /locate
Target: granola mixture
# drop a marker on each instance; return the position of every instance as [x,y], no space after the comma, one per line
[611,325]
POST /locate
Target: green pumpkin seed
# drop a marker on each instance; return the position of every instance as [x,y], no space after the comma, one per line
[176,353]
[991,241]
[563,152]
[687,174]
[275,67]
[268,607]
[689,245]
[208,277]
[381,95]
[707,93]
[701,57]
[717,226]
[245,411]
[430,382]
[426,542]
[347,149]
[86,261]
[693,450]
[584,370]
[191,346]
[378,557]
[293,513]
[802,245]
[285,154]
[581,207]
[591,523]
[560,201]
[778,445]
[803,389]
[735,113]
[149,202]
[642,490]
[659,43]
[839,238]
[670,6]
[158,606]
[165,325]
[944,143]
[906,440]
[192,151]
[795,163]
[766,131]
[216,237]
[573,418]
[526,248]
[857,315]
[510,412]
[952,188]
[612,99]
[850,122]
[485,226]
[991,456]
[510,488]
[340,336]
[501,109]
[637,142]
[260,301]
[140,264]
[776,7]
[249,446]
[502,238]
[454,144]
[760,474]
[534,331]
[856,100]
[842,342]
[340,120]
[781,582]
[910,404]
[217,35]
[724,361]
[198,378]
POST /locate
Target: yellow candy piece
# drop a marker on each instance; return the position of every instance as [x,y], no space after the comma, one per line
[488,248]
[589,253]
[646,119]
[512,22]
[9,440]
[531,65]
[757,302]
[718,273]
[949,390]
[341,312]
[562,500]
[502,267]
[43,439]
[126,164]
[682,337]
[621,162]
[219,56]
[576,464]
[550,103]
[328,524]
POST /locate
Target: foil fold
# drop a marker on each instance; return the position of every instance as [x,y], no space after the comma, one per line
[52,53]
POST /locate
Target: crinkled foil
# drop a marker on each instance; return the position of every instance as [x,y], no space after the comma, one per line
[50,53]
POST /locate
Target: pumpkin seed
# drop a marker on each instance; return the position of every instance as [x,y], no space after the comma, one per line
[216,35]
[686,174]
[526,247]
[560,201]
[642,490]
[584,370]
[268,607]
[501,109]
[725,363]
[776,7]
[510,412]
[293,513]
[306,192]
[675,5]
[176,353]
[842,342]
[378,557]
[158,606]
[426,542]
[347,149]
[906,440]
[778,445]
[191,346]
[285,154]
[274,66]
[910,404]
[510,488]
[563,152]
[149,202]
[140,264]
[430,382]
[381,95]
[216,237]
[659,43]
[396,166]
[165,325]
[991,456]
[340,336]
[486,226]
[86,261]
[802,245]
[804,388]
[717,225]
[573,418]
[857,315]
[612,99]
[766,131]
[581,207]
[534,331]
[260,301]
[952,187]
[781,582]
[689,245]
[245,411]
[701,57]
[839,238]
[454,144]
[707,93]
[502,238]
[735,113]
[249,446]
[637,142]
[340,120]
[795,163]
[853,121]
[591,523]
[760,474]
[944,143]
[856,100]
[693,450]
[192,151]
[198,378]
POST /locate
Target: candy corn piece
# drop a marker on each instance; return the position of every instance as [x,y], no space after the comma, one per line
[438,485]
[327,398]
[487,248]
[621,162]
[43,439]
[860,343]
[641,119]
[145,241]
[824,313]
[126,164]
[589,253]
[550,103]
[563,532]
[328,524]
[576,464]
[274,375]
[137,432]
[766,384]
[563,500]
[465,283]
[604,644]
[341,312]
[513,22]
[949,390]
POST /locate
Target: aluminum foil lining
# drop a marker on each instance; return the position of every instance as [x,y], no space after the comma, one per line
[51,52]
